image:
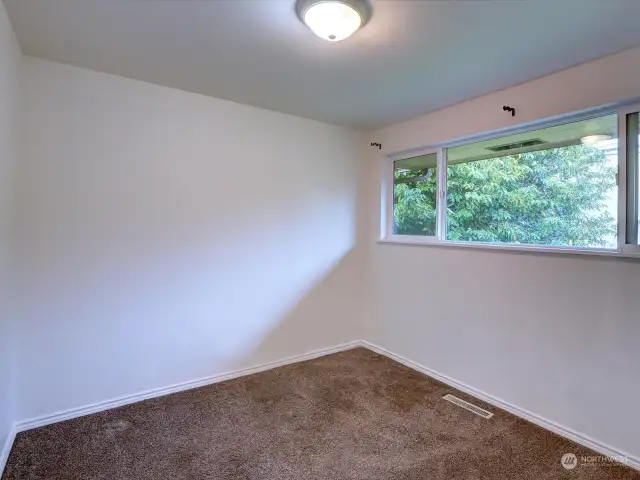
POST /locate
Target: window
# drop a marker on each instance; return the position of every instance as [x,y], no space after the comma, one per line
[414,195]
[547,187]
[555,187]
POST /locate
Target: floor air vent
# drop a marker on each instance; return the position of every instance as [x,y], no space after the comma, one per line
[468,406]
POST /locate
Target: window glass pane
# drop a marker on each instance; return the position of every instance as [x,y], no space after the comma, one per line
[414,195]
[633,178]
[554,186]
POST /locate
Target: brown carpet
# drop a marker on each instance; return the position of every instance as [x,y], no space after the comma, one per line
[352,415]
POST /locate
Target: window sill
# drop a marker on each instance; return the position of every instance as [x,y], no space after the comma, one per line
[514,248]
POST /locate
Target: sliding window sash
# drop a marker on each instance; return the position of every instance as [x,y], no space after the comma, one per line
[388,190]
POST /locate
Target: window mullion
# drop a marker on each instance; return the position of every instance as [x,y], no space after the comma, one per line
[387,197]
[441,200]
[622,179]
[631,183]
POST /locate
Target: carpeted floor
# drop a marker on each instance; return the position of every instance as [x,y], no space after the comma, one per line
[352,415]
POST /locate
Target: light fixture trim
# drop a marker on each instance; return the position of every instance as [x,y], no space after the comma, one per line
[361,7]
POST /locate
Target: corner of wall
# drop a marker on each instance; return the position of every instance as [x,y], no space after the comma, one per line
[11,59]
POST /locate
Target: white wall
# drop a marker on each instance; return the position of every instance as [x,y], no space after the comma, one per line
[164,236]
[10,61]
[557,336]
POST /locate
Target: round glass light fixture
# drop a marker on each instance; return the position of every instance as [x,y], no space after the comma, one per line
[333,20]
[594,140]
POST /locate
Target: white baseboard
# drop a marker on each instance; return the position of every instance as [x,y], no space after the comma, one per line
[41,421]
[554,427]
[6,449]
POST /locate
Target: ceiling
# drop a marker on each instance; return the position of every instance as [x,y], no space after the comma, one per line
[413,57]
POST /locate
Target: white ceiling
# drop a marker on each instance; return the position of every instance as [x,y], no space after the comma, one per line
[413,57]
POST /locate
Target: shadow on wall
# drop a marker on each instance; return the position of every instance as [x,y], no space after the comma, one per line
[126,328]
[334,299]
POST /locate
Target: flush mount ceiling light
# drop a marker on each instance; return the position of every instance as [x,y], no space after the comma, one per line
[593,140]
[334,20]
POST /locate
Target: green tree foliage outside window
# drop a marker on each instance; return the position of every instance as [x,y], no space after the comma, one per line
[549,197]
[415,203]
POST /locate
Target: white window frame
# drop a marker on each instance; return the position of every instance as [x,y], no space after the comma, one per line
[623,247]
[387,235]
[388,174]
